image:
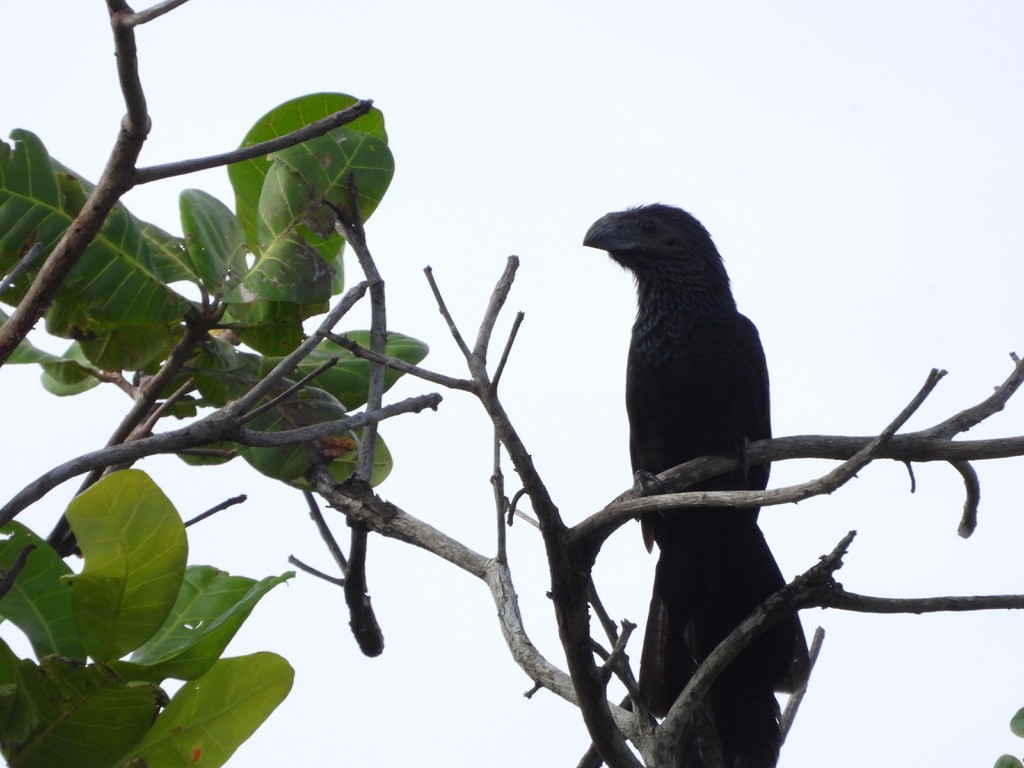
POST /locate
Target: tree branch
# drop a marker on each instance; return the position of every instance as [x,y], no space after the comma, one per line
[216,427]
[307,132]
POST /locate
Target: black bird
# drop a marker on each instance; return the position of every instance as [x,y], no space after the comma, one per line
[696,385]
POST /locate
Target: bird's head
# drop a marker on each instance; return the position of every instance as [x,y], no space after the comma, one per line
[657,239]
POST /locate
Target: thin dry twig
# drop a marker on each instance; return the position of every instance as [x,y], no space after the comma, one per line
[401,365]
[972,498]
[325,533]
[24,263]
[793,705]
[289,391]
[9,575]
[216,427]
[307,132]
[508,348]
[240,499]
[314,572]
[153,12]
[443,309]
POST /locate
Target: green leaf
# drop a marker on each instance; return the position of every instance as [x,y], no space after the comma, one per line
[214,240]
[271,327]
[170,260]
[67,375]
[65,714]
[247,177]
[114,282]
[70,374]
[1008,761]
[288,266]
[8,691]
[39,602]
[135,550]
[296,216]
[131,347]
[209,718]
[210,608]
[1017,723]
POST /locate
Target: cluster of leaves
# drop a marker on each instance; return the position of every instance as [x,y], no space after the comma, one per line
[135,595]
[214,311]
[1017,726]
[258,272]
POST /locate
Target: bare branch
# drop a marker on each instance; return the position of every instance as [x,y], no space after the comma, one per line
[325,533]
[969,520]
[401,365]
[976,414]
[599,526]
[24,263]
[9,575]
[300,384]
[508,347]
[307,132]
[218,426]
[153,12]
[837,597]
[443,309]
[497,301]
[240,499]
[363,622]
[136,121]
[269,382]
[793,705]
[314,572]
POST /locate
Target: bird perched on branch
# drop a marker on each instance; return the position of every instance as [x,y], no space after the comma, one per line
[696,385]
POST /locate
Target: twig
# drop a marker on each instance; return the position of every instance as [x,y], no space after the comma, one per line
[618,650]
[314,572]
[497,301]
[136,121]
[508,348]
[146,427]
[401,365]
[597,527]
[501,502]
[218,426]
[363,621]
[839,598]
[214,510]
[298,385]
[325,533]
[23,264]
[7,582]
[969,519]
[971,417]
[153,12]
[443,309]
[307,132]
[287,365]
[793,705]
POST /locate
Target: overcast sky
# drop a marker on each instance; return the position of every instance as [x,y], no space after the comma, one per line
[861,168]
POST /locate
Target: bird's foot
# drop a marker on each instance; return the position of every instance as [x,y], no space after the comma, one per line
[648,483]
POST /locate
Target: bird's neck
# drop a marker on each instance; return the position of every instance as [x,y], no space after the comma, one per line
[672,311]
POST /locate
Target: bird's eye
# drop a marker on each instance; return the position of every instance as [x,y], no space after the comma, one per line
[648,226]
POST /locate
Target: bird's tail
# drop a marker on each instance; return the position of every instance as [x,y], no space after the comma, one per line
[713,570]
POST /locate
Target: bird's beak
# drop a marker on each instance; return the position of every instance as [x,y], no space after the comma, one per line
[605,233]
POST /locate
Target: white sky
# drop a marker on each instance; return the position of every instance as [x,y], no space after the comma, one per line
[860,166]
